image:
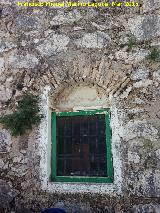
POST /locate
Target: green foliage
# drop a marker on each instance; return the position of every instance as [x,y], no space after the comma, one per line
[26,115]
[131,42]
[154,55]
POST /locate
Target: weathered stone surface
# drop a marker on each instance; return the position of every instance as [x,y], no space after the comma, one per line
[5,140]
[27,23]
[7,11]
[126,93]
[5,2]
[55,43]
[5,93]
[121,54]
[1,163]
[135,56]
[145,27]
[7,193]
[66,18]
[140,129]
[19,170]
[157,182]
[5,46]
[140,74]
[158,153]
[93,40]
[156,75]
[138,101]
[145,183]
[22,60]
[1,65]
[150,5]
[143,83]
[147,208]
[17,159]
[133,157]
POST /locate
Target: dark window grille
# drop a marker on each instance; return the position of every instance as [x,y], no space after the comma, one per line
[81,146]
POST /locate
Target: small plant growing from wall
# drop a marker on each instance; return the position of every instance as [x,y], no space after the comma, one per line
[154,55]
[131,43]
[24,117]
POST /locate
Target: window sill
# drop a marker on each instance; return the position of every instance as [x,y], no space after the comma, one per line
[80,187]
[83,179]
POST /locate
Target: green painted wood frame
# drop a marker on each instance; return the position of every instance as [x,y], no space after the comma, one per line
[109,178]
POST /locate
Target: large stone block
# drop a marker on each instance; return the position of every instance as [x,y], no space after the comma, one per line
[94,40]
[55,43]
[150,5]
[27,23]
[140,73]
[136,56]
[145,27]
[143,83]
[139,129]
[22,60]
[65,18]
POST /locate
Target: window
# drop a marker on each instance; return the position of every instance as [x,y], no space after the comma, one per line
[81,146]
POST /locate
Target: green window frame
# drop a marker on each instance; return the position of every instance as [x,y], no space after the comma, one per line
[109,164]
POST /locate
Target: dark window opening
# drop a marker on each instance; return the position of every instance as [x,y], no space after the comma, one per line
[81,146]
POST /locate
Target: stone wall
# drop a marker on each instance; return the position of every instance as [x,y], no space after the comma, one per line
[45,51]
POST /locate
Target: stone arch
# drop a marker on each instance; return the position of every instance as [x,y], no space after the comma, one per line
[81,68]
[111,88]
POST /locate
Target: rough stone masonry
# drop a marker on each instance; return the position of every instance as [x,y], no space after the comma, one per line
[55,52]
